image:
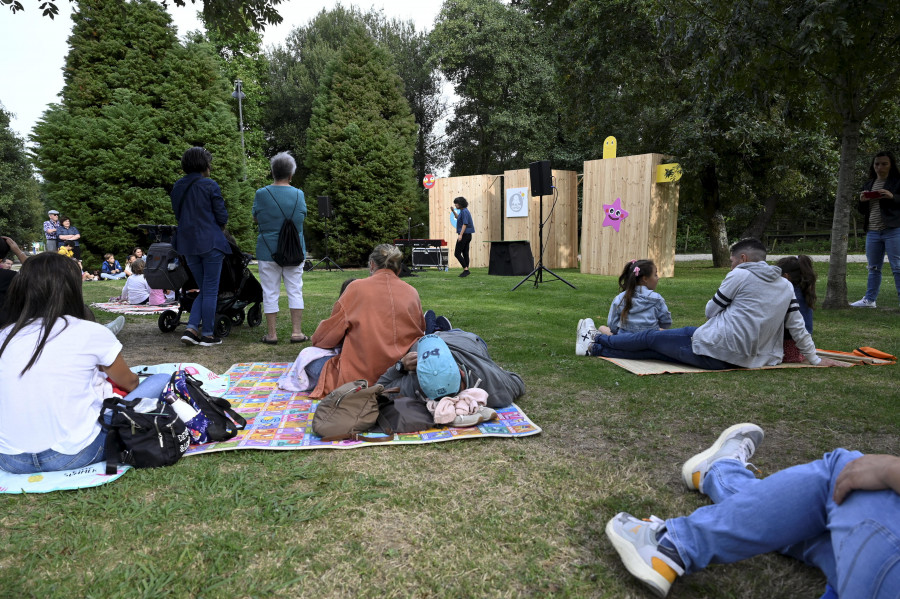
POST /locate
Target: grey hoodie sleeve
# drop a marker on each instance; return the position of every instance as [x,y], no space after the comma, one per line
[725,293]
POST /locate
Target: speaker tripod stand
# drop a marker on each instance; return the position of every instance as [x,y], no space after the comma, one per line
[540,269]
[325,212]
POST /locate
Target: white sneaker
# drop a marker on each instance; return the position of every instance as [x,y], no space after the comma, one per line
[863,303]
[637,543]
[738,442]
[585,336]
[467,420]
[487,414]
[116,325]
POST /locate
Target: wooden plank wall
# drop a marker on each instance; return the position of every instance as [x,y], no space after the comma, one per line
[560,232]
[483,194]
[649,229]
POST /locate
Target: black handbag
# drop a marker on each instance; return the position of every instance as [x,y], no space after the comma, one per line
[403,415]
[142,439]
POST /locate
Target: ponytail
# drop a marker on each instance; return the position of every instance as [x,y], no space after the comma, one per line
[629,280]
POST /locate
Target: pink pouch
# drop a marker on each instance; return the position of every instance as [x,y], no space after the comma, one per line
[157,297]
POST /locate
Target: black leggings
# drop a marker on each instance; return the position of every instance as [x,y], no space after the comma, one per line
[462,250]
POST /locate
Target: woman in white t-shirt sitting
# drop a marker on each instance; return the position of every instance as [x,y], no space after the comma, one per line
[47,426]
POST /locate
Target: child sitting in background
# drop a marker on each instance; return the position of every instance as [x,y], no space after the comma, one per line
[800,272]
[136,290]
[638,307]
[111,269]
[85,276]
[128,262]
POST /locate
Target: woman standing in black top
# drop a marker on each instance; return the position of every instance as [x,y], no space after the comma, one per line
[879,203]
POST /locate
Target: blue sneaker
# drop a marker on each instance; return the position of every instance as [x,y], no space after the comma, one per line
[637,543]
[430,322]
[442,323]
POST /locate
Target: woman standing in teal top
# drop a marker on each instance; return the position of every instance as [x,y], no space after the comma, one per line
[272,204]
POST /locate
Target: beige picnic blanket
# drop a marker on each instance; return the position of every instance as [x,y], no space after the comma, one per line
[642,367]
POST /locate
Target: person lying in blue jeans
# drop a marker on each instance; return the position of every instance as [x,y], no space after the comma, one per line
[840,514]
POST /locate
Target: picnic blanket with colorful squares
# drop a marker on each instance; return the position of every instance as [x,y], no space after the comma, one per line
[282,420]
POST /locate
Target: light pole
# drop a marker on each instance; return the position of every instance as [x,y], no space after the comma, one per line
[237,93]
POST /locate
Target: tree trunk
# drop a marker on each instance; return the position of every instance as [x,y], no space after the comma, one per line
[836,292]
[715,221]
[760,222]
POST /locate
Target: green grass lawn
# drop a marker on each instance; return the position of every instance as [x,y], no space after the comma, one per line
[476,518]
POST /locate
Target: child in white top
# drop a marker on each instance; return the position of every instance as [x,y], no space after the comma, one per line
[136,290]
[639,307]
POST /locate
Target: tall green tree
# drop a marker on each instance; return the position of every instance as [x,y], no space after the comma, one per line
[631,68]
[847,50]
[361,141]
[297,68]
[226,17]
[500,66]
[413,57]
[21,211]
[295,75]
[242,59]
[134,100]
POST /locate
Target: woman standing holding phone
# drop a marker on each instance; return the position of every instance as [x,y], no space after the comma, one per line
[879,203]
[464,229]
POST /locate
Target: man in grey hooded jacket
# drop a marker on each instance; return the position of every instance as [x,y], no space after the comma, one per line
[747,317]
[471,354]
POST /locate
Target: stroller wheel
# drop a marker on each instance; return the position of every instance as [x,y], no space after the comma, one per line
[254,317]
[237,319]
[223,326]
[168,321]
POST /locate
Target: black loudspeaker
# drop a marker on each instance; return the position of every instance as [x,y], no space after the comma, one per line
[325,207]
[541,178]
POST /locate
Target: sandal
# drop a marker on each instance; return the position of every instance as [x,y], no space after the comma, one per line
[300,339]
[268,341]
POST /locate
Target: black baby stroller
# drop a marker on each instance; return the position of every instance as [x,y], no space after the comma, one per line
[238,288]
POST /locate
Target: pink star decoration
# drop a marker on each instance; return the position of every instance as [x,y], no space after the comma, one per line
[613,214]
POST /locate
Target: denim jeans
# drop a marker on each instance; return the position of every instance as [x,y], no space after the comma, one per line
[314,371]
[115,277]
[206,269]
[879,243]
[855,544]
[53,461]
[671,345]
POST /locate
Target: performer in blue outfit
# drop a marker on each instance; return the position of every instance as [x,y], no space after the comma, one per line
[201,214]
[464,229]
[840,514]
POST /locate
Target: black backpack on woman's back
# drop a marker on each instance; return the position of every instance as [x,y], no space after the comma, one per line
[289,252]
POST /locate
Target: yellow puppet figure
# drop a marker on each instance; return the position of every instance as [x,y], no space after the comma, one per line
[609,147]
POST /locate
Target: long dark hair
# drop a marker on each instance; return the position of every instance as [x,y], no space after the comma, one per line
[628,282]
[47,287]
[894,173]
[799,271]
